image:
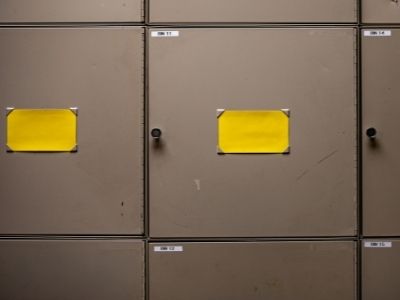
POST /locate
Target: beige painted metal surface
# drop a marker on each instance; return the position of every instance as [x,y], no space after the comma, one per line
[381,163]
[71,269]
[71,11]
[253,271]
[99,189]
[381,270]
[194,192]
[256,11]
[380,11]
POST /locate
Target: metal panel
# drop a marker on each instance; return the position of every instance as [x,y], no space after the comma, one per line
[98,189]
[71,270]
[254,271]
[381,271]
[380,11]
[256,11]
[381,163]
[71,11]
[194,192]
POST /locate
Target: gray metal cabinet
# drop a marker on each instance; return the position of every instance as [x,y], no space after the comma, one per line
[196,192]
[24,11]
[380,11]
[71,269]
[99,188]
[252,271]
[256,11]
[381,164]
[381,269]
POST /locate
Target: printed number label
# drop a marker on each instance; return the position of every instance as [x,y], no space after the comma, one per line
[378,33]
[165,33]
[378,244]
[168,249]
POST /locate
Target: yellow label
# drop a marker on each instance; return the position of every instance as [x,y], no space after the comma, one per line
[42,130]
[255,131]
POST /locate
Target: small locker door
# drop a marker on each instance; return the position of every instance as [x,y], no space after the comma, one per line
[254,11]
[252,271]
[71,269]
[381,140]
[27,11]
[380,11]
[381,270]
[288,168]
[74,131]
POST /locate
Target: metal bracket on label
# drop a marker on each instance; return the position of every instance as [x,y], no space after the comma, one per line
[220,111]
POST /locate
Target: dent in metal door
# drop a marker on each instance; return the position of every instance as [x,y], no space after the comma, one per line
[253,271]
[194,192]
[380,269]
[71,269]
[255,11]
[26,11]
[381,91]
[380,11]
[99,188]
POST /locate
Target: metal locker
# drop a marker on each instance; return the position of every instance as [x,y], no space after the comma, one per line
[196,192]
[32,11]
[71,269]
[255,11]
[380,269]
[253,271]
[380,71]
[99,188]
[380,11]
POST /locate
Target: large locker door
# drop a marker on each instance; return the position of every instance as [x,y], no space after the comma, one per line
[380,11]
[71,11]
[197,192]
[256,11]
[71,270]
[381,270]
[381,163]
[99,188]
[253,271]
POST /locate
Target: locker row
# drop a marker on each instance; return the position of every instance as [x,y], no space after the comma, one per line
[101,269]
[295,174]
[200,11]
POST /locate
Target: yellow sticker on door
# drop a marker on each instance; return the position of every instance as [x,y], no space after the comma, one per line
[253,131]
[42,130]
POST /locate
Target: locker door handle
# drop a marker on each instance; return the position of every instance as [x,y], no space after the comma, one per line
[371,133]
[156,133]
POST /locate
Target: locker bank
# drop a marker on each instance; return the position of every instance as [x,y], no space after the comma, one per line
[86,84]
[187,149]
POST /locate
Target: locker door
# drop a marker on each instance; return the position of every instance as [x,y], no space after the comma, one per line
[197,192]
[71,11]
[381,164]
[98,189]
[381,269]
[253,271]
[380,11]
[71,269]
[255,11]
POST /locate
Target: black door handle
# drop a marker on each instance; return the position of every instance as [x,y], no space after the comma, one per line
[371,133]
[156,133]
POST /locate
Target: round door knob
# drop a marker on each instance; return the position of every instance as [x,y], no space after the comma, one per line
[371,133]
[156,133]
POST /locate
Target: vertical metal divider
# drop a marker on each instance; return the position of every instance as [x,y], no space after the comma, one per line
[359,152]
[146,148]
